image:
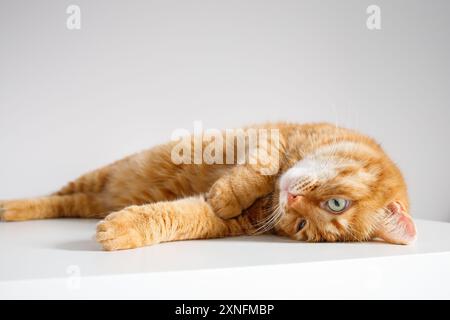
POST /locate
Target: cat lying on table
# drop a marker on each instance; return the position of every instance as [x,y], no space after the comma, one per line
[330,184]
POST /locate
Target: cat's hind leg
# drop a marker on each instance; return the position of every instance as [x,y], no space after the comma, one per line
[188,218]
[82,205]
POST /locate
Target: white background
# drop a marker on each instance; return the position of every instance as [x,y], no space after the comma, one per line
[71,101]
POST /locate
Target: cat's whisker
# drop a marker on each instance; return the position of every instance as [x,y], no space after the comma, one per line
[271,221]
[267,221]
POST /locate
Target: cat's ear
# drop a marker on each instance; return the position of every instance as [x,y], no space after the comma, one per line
[397,227]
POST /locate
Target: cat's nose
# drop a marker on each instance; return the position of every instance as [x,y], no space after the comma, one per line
[291,198]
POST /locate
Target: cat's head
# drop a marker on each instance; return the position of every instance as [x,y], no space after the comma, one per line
[345,191]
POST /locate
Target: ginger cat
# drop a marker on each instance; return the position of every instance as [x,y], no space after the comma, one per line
[331,184]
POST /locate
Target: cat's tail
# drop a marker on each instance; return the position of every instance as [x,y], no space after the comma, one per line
[80,205]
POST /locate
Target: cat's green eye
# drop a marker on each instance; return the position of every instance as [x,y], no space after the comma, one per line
[337,205]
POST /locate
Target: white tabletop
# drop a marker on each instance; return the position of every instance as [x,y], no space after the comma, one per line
[38,257]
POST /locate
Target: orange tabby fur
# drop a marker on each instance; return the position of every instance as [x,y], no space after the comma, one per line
[148,199]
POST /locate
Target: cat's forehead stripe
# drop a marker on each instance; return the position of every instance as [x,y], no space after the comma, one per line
[351,183]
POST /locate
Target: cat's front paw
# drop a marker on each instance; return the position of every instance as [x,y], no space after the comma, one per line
[223,200]
[121,230]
